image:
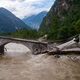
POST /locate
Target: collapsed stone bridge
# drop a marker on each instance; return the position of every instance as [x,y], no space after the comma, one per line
[35,46]
[38,47]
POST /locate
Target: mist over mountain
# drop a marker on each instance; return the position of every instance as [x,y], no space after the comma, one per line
[9,22]
[34,21]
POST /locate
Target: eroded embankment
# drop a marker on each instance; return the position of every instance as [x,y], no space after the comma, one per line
[40,67]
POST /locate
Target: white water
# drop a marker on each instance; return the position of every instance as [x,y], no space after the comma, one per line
[14,49]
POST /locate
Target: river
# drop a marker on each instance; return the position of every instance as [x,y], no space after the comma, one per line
[19,64]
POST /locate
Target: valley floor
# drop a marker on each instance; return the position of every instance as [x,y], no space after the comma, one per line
[40,67]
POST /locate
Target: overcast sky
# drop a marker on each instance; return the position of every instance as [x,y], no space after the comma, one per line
[22,8]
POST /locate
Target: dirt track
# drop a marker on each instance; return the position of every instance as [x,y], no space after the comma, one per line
[39,67]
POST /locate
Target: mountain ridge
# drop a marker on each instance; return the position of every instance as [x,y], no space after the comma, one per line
[63,20]
[9,22]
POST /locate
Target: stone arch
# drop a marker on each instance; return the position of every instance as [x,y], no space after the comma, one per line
[34,46]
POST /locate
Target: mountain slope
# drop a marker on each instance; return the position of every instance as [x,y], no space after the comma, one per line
[9,22]
[63,20]
[35,20]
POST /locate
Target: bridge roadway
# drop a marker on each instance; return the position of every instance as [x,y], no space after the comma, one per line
[22,40]
[35,46]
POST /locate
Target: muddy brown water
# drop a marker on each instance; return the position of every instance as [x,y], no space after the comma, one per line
[40,67]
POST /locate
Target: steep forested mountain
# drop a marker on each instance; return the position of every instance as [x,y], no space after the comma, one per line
[63,20]
[9,22]
[34,21]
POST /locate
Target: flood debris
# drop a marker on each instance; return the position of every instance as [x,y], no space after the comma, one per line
[67,47]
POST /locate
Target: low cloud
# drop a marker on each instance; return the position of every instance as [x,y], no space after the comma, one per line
[22,8]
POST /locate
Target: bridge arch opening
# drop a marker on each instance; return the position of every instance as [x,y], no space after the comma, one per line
[16,49]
